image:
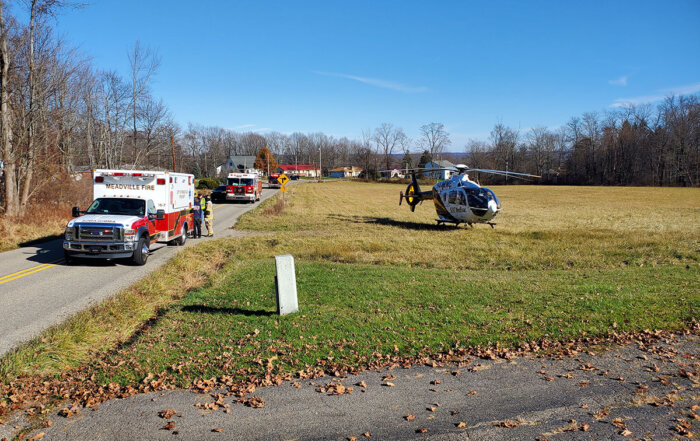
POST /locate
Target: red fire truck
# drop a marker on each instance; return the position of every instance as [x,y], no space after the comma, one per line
[272,181]
[243,187]
[131,210]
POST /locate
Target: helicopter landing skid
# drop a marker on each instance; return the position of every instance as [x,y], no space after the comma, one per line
[493,225]
[445,222]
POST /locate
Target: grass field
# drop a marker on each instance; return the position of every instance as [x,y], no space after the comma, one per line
[376,280]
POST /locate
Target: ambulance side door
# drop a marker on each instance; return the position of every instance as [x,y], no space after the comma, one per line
[151,215]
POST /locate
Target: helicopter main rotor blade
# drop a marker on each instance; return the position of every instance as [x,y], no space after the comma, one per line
[503,173]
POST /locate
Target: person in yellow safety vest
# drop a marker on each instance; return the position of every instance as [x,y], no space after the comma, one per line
[202,202]
[209,216]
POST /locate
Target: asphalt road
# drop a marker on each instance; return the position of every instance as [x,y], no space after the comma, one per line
[636,391]
[38,289]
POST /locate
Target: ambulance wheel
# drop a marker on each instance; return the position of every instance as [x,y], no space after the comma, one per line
[180,241]
[141,252]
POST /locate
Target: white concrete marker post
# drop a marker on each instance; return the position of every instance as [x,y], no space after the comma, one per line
[286,285]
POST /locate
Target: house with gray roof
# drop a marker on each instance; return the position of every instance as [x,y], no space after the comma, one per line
[441,174]
[236,164]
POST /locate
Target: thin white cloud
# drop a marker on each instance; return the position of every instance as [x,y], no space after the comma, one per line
[244,126]
[622,81]
[384,84]
[659,96]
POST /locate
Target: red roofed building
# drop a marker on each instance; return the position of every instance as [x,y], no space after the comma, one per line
[308,170]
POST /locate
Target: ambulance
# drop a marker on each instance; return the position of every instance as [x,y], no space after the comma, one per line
[131,210]
[244,186]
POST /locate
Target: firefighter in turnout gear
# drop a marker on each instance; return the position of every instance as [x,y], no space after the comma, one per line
[209,216]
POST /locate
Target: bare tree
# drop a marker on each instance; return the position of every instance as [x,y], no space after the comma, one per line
[8,153]
[144,63]
[388,138]
[434,138]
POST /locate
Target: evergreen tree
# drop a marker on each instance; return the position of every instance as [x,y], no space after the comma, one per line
[425,159]
[197,172]
[407,161]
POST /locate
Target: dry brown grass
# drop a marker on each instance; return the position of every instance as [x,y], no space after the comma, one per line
[48,214]
[539,228]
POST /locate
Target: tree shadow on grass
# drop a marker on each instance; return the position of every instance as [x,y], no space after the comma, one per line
[232,311]
[392,222]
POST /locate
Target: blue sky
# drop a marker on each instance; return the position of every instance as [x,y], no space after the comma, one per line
[344,67]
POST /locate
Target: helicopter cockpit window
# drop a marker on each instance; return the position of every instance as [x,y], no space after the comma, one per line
[478,198]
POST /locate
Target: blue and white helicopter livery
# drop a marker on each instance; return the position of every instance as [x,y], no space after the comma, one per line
[459,200]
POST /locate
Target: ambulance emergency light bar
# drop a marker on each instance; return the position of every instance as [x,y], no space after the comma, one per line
[100,179]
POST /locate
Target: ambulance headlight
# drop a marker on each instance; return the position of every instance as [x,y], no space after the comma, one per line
[129,234]
[69,233]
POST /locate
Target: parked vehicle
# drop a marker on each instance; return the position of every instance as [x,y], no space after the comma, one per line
[218,194]
[243,187]
[131,210]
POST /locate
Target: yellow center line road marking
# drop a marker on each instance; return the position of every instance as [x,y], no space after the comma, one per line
[28,271]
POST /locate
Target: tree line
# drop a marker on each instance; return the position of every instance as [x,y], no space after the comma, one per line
[60,114]
[636,145]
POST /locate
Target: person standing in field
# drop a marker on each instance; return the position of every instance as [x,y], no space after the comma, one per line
[197,211]
[209,217]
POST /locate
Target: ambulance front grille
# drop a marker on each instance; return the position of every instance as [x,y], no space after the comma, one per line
[99,233]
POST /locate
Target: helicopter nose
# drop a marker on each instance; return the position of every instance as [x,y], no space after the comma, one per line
[493,208]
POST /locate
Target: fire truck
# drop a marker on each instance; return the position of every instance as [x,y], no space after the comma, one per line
[272,181]
[243,187]
[131,210]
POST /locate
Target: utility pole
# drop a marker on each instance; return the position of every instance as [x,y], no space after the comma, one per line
[320,169]
[172,149]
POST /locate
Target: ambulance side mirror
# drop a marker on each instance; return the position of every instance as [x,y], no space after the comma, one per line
[160,214]
[76,211]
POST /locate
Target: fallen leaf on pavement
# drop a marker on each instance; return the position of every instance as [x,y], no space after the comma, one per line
[617,422]
[410,417]
[167,413]
[461,424]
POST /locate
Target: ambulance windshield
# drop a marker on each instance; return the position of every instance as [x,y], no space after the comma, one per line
[127,207]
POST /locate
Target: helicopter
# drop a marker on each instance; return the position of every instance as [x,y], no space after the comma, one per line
[459,199]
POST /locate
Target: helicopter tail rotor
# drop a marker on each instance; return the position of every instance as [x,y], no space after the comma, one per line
[413,194]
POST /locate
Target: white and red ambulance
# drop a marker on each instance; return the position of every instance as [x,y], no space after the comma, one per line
[131,210]
[244,186]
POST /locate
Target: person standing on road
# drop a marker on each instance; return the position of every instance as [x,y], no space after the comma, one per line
[197,211]
[209,217]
